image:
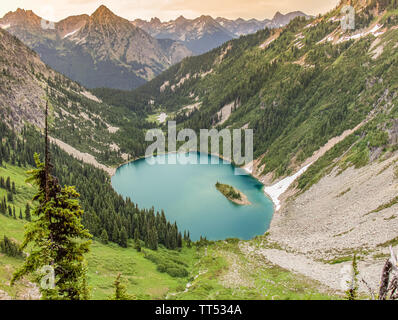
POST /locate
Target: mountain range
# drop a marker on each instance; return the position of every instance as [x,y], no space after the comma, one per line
[105,50]
[323,105]
[101,50]
[204,33]
[25,81]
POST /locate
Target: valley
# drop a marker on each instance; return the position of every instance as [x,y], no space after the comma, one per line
[100,50]
[323,106]
[217,270]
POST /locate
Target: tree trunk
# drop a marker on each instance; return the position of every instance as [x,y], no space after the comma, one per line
[385,279]
[394,288]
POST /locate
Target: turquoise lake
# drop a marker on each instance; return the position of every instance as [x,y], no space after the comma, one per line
[187,194]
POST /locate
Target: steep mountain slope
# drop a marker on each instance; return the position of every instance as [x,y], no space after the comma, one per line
[323,103]
[107,133]
[70,25]
[240,27]
[101,50]
[199,35]
[86,134]
[310,70]
[76,116]
[204,33]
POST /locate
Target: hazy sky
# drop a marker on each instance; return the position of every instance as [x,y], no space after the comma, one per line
[169,9]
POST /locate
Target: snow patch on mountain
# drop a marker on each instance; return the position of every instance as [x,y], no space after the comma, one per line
[71,33]
[276,190]
[374,31]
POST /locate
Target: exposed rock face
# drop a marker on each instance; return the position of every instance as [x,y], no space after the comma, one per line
[199,35]
[26,84]
[101,50]
[205,33]
[21,100]
[71,25]
[281,20]
[104,50]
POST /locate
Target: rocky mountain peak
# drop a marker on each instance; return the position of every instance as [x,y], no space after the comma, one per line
[208,21]
[277,15]
[181,19]
[155,21]
[71,24]
[206,17]
[103,14]
[22,17]
[102,10]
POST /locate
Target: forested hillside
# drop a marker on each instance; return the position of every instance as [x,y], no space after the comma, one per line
[296,87]
[322,102]
[80,120]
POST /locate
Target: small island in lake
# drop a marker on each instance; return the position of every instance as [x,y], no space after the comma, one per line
[233,194]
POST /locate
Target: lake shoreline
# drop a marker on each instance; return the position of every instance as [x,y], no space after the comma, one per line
[249,172]
[257,206]
[239,199]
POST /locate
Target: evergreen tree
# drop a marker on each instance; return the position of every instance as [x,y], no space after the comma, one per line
[3,206]
[179,240]
[115,234]
[59,239]
[20,214]
[10,248]
[120,290]
[27,212]
[137,242]
[352,292]
[123,238]
[104,237]
[57,235]
[8,184]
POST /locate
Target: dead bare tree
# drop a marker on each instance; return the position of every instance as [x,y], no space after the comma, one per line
[390,271]
[388,289]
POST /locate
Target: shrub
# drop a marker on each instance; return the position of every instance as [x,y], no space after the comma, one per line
[10,248]
[378,139]
[177,272]
[170,265]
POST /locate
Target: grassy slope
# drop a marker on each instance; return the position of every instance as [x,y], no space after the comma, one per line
[224,272]
[257,279]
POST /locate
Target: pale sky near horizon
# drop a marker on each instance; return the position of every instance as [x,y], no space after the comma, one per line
[169,9]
